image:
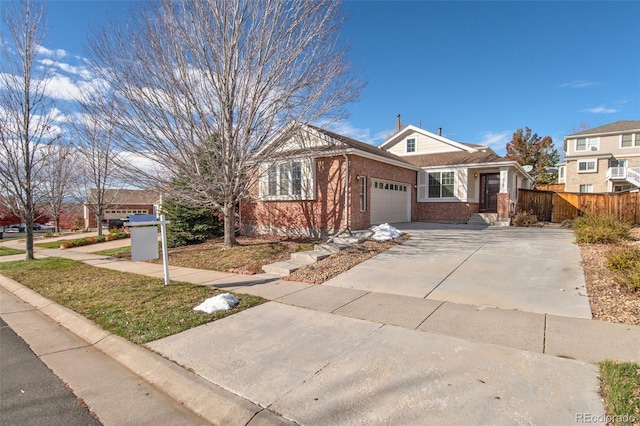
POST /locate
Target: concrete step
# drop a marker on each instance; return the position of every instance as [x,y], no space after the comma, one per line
[286,267]
[311,256]
[490,219]
[329,247]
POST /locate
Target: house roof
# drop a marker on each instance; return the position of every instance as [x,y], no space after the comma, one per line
[455,158]
[362,146]
[617,127]
[128,196]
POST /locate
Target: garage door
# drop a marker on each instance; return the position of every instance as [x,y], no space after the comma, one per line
[390,202]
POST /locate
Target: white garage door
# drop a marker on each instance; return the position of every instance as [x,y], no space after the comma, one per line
[390,202]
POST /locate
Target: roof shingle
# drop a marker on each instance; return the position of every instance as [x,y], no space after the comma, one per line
[618,126]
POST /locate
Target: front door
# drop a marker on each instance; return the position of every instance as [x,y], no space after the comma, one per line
[489,188]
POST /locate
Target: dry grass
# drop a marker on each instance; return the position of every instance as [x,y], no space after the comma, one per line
[136,307]
[250,255]
[610,300]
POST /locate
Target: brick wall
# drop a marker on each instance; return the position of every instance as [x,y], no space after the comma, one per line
[503,206]
[325,214]
[452,212]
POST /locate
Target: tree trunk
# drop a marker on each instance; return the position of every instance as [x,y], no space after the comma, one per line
[99,224]
[229,225]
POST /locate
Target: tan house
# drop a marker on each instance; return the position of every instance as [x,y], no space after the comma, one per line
[322,182]
[603,159]
[120,204]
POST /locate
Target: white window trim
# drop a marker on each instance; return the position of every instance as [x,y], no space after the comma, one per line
[425,185]
[588,145]
[308,181]
[363,193]
[588,160]
[415,146]
[635,142]
[585,192]
[562,174]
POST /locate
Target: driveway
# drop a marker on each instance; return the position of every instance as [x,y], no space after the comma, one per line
[528,269]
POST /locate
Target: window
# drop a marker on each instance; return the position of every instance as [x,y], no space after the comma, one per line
[288,180]
[441,184]
[630,140]
[586,188]
[618,163]
[587,166]
[411,145]
[587,144]
[561,171]
[363,193]
[621,188]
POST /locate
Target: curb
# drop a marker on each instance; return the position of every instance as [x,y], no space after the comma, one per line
[214,404]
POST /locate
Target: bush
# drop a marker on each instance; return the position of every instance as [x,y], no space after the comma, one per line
[567,223]
[600,229]
[190,225]
[524,219]
[625,261]
[79,242]
[117,234]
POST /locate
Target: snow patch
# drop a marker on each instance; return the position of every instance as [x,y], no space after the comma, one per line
[385,232]
[221,302]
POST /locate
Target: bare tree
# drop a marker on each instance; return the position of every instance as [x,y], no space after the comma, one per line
[26,113]
[98,158]
[201,86]
[60,178]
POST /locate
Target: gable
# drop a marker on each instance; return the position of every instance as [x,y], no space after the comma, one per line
[415,141]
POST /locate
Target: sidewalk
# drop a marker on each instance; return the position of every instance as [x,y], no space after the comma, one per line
[314,338]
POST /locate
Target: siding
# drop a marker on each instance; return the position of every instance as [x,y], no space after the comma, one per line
[424,145]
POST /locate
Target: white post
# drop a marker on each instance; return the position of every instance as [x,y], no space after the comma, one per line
[165,253]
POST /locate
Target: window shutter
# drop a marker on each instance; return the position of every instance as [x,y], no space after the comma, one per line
[262,181]
[308,179]
[422,185]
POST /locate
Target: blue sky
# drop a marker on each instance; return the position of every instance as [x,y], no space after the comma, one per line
[480,70]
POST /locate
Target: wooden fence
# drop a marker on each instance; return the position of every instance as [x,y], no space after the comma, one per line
[558,206]
[555,187]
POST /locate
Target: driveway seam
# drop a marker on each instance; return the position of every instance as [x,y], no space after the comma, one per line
[429,316]
[455,269]
[348,303]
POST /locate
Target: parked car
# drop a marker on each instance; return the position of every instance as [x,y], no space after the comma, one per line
[36,227]
[19,227]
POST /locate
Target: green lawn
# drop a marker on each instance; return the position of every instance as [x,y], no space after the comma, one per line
[6,251]
[136,307]
[621,389]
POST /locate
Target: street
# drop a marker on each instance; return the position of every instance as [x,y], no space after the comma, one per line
[30,394]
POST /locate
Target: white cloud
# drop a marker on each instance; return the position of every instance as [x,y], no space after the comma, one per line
[58,53]
[578,84]
[496,140]
[600,110]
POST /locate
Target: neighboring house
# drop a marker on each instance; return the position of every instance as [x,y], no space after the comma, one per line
[458,179]
[603,159]
[323,182]
[120,203]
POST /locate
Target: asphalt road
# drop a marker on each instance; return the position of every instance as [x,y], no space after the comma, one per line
[30,393]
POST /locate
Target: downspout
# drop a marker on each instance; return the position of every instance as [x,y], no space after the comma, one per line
[346,194]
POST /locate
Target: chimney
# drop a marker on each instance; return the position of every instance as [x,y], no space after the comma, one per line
[439,131]
[399,124]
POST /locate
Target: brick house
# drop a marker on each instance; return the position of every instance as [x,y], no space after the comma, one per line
[120,203]
[323,182]
[602,159]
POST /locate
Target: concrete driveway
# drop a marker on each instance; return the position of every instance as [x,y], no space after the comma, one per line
[528,269]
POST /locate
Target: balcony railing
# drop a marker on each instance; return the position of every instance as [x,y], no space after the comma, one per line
[629,174]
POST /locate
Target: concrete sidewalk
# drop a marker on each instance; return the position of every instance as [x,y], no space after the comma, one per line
[325,354]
